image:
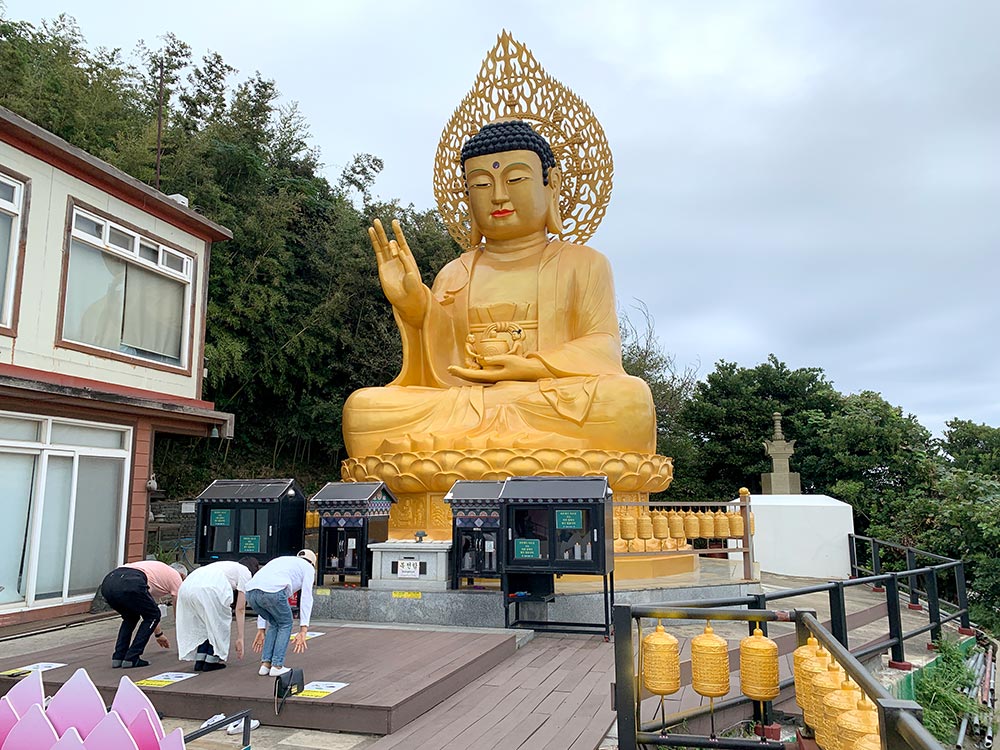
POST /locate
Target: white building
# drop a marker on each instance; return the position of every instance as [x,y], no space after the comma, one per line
[103,288]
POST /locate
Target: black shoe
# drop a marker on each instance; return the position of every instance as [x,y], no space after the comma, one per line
[116,663]
[134,664]
[199,666]
[211,666]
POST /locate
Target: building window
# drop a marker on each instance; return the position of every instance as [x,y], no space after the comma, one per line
[11,213]
[126,293]
[64,484]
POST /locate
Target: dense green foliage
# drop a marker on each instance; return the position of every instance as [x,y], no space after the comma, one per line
[940,689]
[297,320]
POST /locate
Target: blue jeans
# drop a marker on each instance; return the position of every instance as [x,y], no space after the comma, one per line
[276,612]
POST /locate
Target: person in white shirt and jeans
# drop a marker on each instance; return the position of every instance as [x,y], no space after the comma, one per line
[268,593]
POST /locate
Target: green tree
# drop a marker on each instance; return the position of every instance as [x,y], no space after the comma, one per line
[971,446]
[643,356]
[730,415]
[867,453]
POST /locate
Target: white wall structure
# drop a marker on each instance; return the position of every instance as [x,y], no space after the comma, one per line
[802,535]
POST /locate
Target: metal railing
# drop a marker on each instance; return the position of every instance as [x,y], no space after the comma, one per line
[222,724]
[900,720]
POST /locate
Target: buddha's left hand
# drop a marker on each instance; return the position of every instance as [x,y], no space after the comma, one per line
[503,367]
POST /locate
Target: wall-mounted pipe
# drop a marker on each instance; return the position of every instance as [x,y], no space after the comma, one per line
[977,667]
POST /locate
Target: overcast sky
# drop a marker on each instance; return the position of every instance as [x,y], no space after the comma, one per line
[820,180]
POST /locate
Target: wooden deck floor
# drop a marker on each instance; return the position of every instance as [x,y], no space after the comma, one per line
[553,693]
[393,676]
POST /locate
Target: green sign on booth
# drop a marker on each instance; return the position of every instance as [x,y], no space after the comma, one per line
[527,548]
[569,519]
[249,544]
[220,518]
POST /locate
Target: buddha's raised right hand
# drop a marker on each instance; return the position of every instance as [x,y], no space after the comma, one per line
[398,272]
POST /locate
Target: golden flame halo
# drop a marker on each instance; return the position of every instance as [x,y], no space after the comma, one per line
[512,85]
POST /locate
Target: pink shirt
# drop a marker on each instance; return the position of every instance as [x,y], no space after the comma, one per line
[163,580]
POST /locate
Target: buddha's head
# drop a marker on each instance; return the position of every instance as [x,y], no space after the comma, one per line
[513,182]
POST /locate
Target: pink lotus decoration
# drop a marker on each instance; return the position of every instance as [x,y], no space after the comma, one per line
[75,718]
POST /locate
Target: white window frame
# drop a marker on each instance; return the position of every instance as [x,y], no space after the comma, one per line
[14,209]
[186,275]
[43,449]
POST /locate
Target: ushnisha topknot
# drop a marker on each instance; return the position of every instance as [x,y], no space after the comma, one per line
[509,135]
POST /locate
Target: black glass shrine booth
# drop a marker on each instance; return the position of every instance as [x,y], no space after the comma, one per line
[555,526]
[352,515]
[262,518]
[476,535]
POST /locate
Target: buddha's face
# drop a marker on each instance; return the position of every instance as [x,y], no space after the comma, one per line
[506,194]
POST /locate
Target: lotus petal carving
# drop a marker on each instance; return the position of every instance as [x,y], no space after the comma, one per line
[437,471]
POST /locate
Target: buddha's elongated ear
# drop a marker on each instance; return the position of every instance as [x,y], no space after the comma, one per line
[475,236]
[553,218]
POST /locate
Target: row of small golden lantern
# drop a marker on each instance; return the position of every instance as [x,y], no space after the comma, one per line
[667,530]
[840,715]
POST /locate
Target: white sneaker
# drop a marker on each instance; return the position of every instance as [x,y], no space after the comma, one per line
[278,671]
[237,726]
[213,720]
[263,671]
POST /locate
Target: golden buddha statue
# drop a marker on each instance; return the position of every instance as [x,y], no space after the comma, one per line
[517,343]
[512,358]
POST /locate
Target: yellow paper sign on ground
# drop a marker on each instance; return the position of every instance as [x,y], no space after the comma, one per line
[42,666]
[320,689]
[309,635]
[154,683]
[406,595]
[165,679]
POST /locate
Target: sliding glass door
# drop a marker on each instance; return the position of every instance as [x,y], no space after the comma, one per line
[17,479]
[64,486]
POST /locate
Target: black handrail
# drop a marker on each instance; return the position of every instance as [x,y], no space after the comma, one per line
[900,718]
[224,722]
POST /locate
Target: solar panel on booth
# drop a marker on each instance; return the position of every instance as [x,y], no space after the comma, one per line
[555,488]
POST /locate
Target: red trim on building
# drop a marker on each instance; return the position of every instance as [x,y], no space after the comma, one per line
[69,381]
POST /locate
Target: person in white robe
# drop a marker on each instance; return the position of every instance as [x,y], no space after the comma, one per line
[204,612]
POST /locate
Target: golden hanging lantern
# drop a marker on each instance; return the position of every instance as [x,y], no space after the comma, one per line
[721,525]
[840,701]
[753,526]
[629,528]
[735,526]
[799,656]
[710,664]
[616,528]
[706,525]
[661,666]
[823,685]
[759,667]
[676,523]
[853,725]
[644,527]
[814,665]
[868,742]
[691,525]
[661,526]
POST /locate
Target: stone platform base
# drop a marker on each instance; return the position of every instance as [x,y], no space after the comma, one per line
[484,608]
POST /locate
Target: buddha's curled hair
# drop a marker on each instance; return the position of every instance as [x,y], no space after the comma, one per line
[509,135]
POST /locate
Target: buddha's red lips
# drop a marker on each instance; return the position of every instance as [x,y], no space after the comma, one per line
[502,212]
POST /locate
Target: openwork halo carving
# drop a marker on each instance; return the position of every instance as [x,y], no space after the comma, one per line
[512,85]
